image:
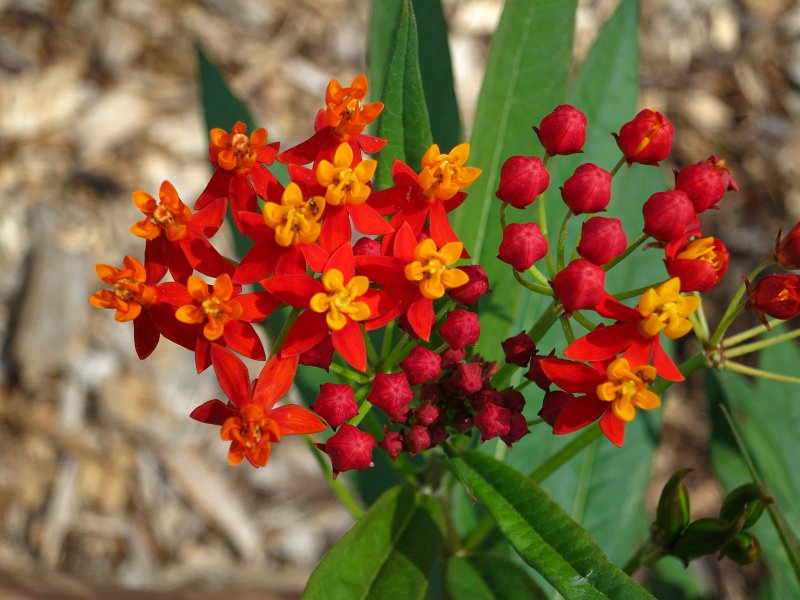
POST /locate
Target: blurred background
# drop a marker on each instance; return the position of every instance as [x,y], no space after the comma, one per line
[104,481]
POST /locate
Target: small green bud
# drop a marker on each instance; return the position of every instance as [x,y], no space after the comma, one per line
[748,500]
[672,514]
[705,536]
[743,549]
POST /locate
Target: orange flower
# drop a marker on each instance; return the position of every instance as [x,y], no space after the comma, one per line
[214,307]
[430,268]
[345,184]
[249,422]
[443,175]
[295,220]
[345,112]
[129,291]
[235,151]
[170,216]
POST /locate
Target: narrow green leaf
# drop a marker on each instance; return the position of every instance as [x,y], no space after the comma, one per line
[526,76]
[542,533]
[489,577]
[437,74]
[383,20]
[388,553]
[404,120]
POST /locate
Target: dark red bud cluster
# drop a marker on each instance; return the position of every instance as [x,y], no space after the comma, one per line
[421,365]
[320,355]
[563,131]
[522,179]
[391,393]
[587,190]
[602,240]
[461,328]
[522,245]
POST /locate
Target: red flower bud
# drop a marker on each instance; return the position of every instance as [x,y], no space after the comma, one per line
[467,377]
[519,349]
[437,433]
[336,403]
[552,405]
[518,429]
[417,439]
[492,421]
[787,249]
[513,400]
[470,292]
[391,393]
[537,375]
[349,448]
[580,285]
[426,415]
[702,183]
[461,328]
[563,131]
[320,355]
[452,356]
[602,240]
[720,165]
[668,215]
[366,247]
[392,442]
[699,264]
[647,139]
[522,179]
[777,296]
[523,244]
[483,397]
[421,365]
[588,190]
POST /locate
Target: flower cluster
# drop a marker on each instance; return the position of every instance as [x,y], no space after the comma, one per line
[399,270]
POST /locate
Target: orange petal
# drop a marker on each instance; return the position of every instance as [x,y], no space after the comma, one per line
[198,289]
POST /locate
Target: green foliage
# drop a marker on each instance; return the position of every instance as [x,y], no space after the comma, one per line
[388,553]
[542,533]
[489,577]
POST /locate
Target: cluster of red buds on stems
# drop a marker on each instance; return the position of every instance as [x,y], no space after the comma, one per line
[406,274]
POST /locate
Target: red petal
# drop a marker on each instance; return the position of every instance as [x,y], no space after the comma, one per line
[293,419]
[603,342]
[612,308]
[154,261]
[336,228]
[232,374]
[441,231]
[145,335]
[257,306]
[203,257]
[268,153]
[343,260]
[176,260]
[295,290]
[404,242]
[664,365]
[242,338]
[172,329]
[258,263]
[315,256]
[308,330]
[578,412]
[640,350]
[349,342]
[306,152]
[291,262]
[176,294]
[614,428]
[367,220]
[242,197]
[571,376]
[420,317]
[202,352]
[383,270]
[275,380]
[216,188]
[208,221]
[213,412]
[253,226]
[369,144]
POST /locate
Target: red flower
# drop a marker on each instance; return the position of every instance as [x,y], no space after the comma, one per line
[699,264]
[176,238]
[240,169]
[775,295]
[647,139]
[787,249]
[610,391]
[334,305]
[249,421]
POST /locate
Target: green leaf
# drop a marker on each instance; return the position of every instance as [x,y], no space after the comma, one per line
[526,76]
[489,577]
[387,554]
[767,414]
[383,20]
[404,120]
[542,533]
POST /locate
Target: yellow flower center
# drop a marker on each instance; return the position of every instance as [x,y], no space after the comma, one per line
[702,249]
[214,309]
[236,150]
[628,389]
[251,434]
[666,309]
[345,184]
[430,268]
[443,175]
[295,220]
[340,300]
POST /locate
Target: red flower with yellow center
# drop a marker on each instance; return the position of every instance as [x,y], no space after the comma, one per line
[224,314]
[336,305]
[699,264]
[135,297]
[296,219]
[176,238]
[609,391]
[241,173]
[344,182]
[636,335]
[250,421]
[430,195]
[414,275]
[342,120]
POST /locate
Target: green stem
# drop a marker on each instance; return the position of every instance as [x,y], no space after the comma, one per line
[562,239]
[733,309]
[372,353]
[645,555]
[618,166]
[503,219]
[761,344]
[287,325]
[551,265]
[633,246]
[584,322]
[539,289]
[566,326]
[637,291]
[341,491]
[539,276]
[388,334]
[745,370]
[750,333]
[699,321]
[532,422]
[348,374]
